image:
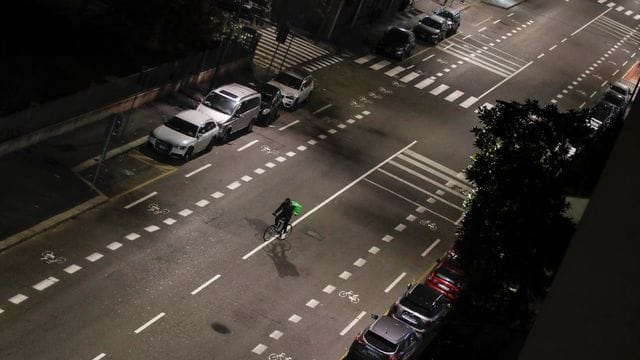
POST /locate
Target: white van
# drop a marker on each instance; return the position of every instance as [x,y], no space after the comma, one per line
[233,107]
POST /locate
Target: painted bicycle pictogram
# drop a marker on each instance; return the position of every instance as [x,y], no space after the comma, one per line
[281,356]
[50,258]
[430,224]
[353,297]
[268,150]
[156,210]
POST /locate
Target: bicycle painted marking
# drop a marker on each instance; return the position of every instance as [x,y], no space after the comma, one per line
[49,258]
[430,224]
[281,356]
[353,297]
[268,150]
[156,210]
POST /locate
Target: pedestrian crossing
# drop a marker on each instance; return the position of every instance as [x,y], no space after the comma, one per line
[617,29]
[298,51]
[619,8]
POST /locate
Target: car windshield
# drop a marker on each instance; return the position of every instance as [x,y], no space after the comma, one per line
[614,99]
[431,23]
[395,36]
[619,89]
[380,342]
[288,80]
[220,103]
[181,126]
[601,111]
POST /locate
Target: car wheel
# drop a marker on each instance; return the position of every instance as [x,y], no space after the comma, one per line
[294,106]
[225,136]
[210,145]
[308,98]
[249,127]
[187,155]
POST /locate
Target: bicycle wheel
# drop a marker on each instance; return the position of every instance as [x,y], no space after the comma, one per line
[60,260]
[270,233]
[342,293]
[287,233]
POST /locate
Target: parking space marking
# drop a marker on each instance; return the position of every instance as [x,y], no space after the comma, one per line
[199,169]
[141,200]
[353,323]
[290,124]
[45,283]
[395,282]
[428,250]
[246,146]
[148,323]
[206,283]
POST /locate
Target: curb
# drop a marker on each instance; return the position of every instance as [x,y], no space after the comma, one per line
[111,153]
[51,222]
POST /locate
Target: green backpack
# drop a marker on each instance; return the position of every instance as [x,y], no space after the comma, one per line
[297,208]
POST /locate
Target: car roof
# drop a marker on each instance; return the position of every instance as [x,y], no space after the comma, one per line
[621,85]
[298,72]
[235,91]
[264,88]
[450,10]
[424,295]
[436,17]
[192,116]
[397,28]
[390,329]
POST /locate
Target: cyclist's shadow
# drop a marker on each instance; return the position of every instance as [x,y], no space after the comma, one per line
[277,251]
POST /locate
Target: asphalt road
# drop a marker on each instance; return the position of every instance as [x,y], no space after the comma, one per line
[375,158]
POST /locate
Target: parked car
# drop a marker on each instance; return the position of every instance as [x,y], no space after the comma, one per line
[617,99]
[233,107]
[421,307]
[603,113]
[397,42]
[453,18]
[187,133]
[447,278]
[385,338]
[432,28]
[622,89]
[271,102]
[296,85]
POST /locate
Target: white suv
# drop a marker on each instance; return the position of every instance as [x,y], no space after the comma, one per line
[296,85]
[233,107]
[187,133]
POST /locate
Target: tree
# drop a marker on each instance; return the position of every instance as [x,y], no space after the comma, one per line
[514,233]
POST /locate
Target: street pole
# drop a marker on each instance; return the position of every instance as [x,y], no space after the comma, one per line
[103,155]
[286,52]
[355,17]
[274,55]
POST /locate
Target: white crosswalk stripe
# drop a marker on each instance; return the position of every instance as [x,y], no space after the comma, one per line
[393,72]
[439,89]
[616,29]
[424,83]
[364,59]
[409,77]
[379,65]
[454,95]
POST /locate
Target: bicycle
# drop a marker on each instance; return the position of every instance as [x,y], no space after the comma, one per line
[275,230]
[354,298]
[49,258]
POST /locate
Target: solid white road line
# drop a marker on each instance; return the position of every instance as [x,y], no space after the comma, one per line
[141,200]
[504,80]
[290,124]
[247,145]
[589,23]
[325,202]
[45,283]
[364,59]
[353,323]
[207,283]
[148,323]
[424,253]
[428,57]
[322,109]
[99,356]
[199,169]
[395,282]
[442,168]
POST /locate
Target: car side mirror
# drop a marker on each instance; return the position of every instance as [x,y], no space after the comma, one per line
[374,316]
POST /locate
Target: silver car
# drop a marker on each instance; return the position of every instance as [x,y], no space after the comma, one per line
[421,307]
[386,338]
[187,133]
[296,85]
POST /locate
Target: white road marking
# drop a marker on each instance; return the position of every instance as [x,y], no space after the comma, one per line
[553,47]
[366,58]
[322,109]
[611,4]
[582,105]
[466,37]
[217,195]
[358,116]
[374,250]
[322,136]
[207,283]
[114,246]
[625,62]
[447,70]
[412,217]
[637,17]
[563,40]
[400,227]
[141,200]
[246,146]
[620,8]
[329,289]
[387,238]
[505,80]
[421,209]
[510,15]
[615,72]
[329,199]
[312,303]
[365,112]
[541,55]
[45,283]
[290,124]
[202,203]
[470,101]
[169,221]
[311,142]
[295,318]
[332,131]
[497,21]
[439,89]
[454,95]
[148,323]
[100,356]
[342,126]
[628,12]
[270,165]
[409,77]
[431,200]
[604,83]
[353,323]
[439,74]
[394,71]
[424,253]
[350,121]
[444,171]
[259,349]
[634,54]
[132,236]
[345,275]
[602,1]
[589,23]
[395,282]
[246,178]
[185,213]
[94,257]
[424,83]
[72,268]
[199,169]
[281,159]
[234,185]
[302,147]
[360,262]
[482,29]
[379,65]
[17,299]
[554,101]
[593,93]
[276,334]
[151,228]
[428,57]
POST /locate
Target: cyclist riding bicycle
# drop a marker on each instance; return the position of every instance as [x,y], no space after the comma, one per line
[285,211]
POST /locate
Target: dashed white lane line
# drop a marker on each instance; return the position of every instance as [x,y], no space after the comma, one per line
[563,40]
[312,303]
[466,37]
[329,289]
[364,59]
[291,154]
[281,159]
[169,221]
[553,47]
[94,257]
[276,334]
[409,77]
[100,356]
[625,62]
[351,121]
[634,54]
[421,209]
[582,105]
[259,171]
[247,145]
[620,8]
[18,299]
[541,55]
[295,318]
[313,142]
[411,217]
[332,131]
[374,250]
[439,89]
[637,17]
[202,203]
[359,117]
[395,282]
[366,112]
[45,283]
[593,93]
[345,275]
[428,57]
[341,126]
[379,65]
[152,228]
[270,165]
[482,29]
[400,227]
[141,200]
[428,250]
[615,72]
[185,213]
[148,323]
[72,268]
[353,323]
[510,15]
[234,185]
[387,238]
[246,178]
[454,95]
[497,21]
[217,195]
[360,262]
[132,236]
[114,246]
[322,136]
[302,147]
[206,283]
[604,83]
[289,124]
[199,169]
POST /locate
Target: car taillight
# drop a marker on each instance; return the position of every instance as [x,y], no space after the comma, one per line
[360,339]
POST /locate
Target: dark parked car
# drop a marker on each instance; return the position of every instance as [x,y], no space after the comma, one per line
[622,89]
[617,99]
[432,28]
[271,102]
[398,43]
[386,338]
[446,278]
[603,113]
[421,307]
[453,18]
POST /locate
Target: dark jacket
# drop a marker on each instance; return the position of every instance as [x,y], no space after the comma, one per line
[285,210]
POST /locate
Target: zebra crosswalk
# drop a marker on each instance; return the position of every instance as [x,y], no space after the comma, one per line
[298,51]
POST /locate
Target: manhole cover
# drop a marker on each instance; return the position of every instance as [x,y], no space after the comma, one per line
[219,328]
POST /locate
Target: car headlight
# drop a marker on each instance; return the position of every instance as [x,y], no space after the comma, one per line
[182,147]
